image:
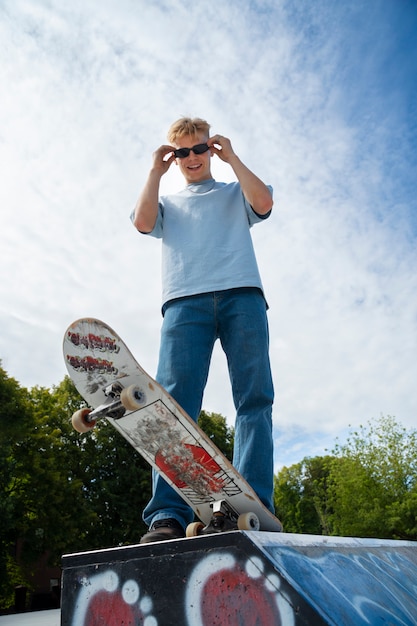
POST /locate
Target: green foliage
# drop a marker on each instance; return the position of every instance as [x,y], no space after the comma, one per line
[15,417]
[116,484]
[374,490]
[60,491]
[63,492]
[12,576]
[215,426]
[367,488]
[301,496]
[109,482]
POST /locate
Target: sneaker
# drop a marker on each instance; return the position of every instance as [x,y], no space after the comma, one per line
[162,530]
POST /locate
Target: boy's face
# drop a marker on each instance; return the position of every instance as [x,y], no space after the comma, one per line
[195,167]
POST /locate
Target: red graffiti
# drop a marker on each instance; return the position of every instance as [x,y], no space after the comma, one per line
[91,364]
[197,469]
[231,597]
[110,609]
[94,342]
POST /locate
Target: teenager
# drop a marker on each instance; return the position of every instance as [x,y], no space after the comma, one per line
[211,290]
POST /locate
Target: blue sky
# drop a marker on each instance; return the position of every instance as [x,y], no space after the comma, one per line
[318,98]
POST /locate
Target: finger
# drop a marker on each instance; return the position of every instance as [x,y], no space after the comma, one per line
[216,139]
[169,159]
[163,150]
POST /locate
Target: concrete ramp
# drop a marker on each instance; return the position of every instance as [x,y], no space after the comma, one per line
[244,579]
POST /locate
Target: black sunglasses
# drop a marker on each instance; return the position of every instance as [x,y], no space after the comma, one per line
[200,148]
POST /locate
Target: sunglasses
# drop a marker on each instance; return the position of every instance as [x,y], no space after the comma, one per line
[200,148]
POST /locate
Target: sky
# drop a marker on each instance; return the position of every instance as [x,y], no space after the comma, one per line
[318,98]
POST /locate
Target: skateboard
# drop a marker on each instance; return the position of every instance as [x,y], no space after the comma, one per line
[116,388]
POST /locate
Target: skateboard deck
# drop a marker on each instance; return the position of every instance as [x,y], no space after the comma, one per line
[116,387]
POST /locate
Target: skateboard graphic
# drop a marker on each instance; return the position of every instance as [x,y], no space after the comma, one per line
[111,382]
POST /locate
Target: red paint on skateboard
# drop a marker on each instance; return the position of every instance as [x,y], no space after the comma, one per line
[186,470]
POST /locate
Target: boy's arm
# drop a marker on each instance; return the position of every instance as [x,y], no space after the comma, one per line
[254,190]
[146,209]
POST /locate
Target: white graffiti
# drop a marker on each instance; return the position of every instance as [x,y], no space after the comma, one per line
[215,564]
[109,581]
[202,571]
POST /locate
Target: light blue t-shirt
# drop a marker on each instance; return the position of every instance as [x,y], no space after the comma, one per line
[206,243]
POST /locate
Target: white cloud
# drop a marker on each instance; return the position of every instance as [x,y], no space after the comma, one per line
[90,89]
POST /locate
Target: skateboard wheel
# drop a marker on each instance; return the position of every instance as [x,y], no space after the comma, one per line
[248,521]
[79,422]
[194,529]
[132,398]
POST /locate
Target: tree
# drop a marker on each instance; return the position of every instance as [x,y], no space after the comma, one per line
[374,487]
[215,427]
[300,495]
[112,481]
[59,512]
[99,485]
[64,492]
[45,510]
[366,488]
[15,418]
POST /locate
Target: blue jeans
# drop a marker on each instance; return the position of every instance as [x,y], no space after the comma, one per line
[190,328]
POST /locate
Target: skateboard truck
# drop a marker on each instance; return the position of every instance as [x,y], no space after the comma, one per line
[113,390]
[224,519]
[119,400]
[115,408]
[85,419]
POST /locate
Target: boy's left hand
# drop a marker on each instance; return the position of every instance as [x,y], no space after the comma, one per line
[225,152]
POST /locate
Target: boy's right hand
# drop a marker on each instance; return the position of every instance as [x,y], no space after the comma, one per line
[160,162]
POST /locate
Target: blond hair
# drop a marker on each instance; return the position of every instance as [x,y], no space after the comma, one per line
[187,126]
